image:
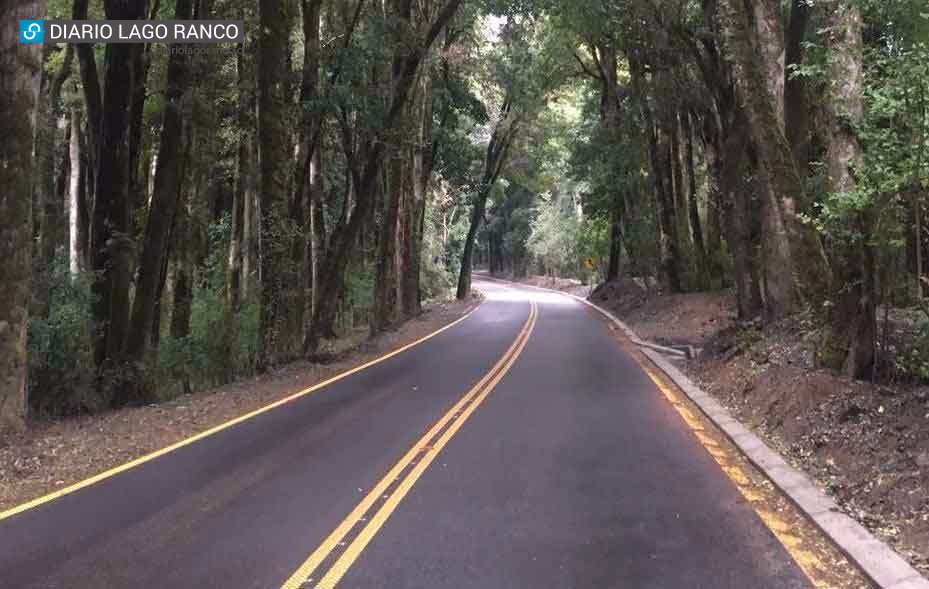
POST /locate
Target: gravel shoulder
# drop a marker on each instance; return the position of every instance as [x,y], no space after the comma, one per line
[49,455]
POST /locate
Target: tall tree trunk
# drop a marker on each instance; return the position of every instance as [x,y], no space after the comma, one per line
[308,172]
[93,102]
[332,278]
[387,276]
[781,185]
[767,17]
[423,161]
[251,214]
[659,160]
[727,166]
[495,158]
[164,200]
[756,41]
[75,241]
[111,232]
[411,301]
[464,274]
[616,240]
[678,184]
[140,62]
[20,74]
[694,213]
[49,199]
[852,320]
[236,278]
[183,271]
[155,338]
[667,211]
[714,214]
[796,117]
[236,234]
[274,164]
[610,121]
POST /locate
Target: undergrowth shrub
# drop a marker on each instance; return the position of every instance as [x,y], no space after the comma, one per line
[912,362]
[60,345]
[222,345]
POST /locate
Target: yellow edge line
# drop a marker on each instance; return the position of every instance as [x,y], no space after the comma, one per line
[361,541]
[172,447]
[808,562]
[316,558]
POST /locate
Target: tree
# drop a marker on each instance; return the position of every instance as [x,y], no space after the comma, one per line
[167,184]
[332,277]
[111,236]
[498,149]
[852,319]
[20,73]
[274,170]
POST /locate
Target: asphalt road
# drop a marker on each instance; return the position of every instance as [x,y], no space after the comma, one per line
[521,448]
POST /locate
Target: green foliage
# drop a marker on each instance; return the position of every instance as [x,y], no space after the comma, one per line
[894,136]
[593,242]
[59,346]
[554,238]
[222,345]
[439,262]
[358,298]
[913,360]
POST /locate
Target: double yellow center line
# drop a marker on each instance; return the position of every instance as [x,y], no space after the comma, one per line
[331,560]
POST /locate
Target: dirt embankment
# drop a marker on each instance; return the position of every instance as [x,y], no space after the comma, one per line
[866,445]
[52,454]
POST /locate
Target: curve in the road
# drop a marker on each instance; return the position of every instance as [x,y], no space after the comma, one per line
[357,529]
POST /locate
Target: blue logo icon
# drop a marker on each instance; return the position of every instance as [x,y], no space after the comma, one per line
[31,31]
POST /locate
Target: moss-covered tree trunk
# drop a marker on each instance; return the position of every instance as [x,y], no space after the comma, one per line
[20,71]
[422,163]
[852,320]
[671,262]
[386,310]
[728,169]
[757,56]
[274,176]
[796,115]
[164,201]
[49,200]
[111,228]
[696,229]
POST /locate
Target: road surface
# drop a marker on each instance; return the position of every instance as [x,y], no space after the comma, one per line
[520,448]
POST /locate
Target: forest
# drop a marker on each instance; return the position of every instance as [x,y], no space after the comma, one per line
[174,218]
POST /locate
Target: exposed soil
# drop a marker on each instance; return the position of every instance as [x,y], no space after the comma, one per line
[866,445]
[52,454]
[677,319]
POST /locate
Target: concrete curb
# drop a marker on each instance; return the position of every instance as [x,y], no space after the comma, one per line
[876,559]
